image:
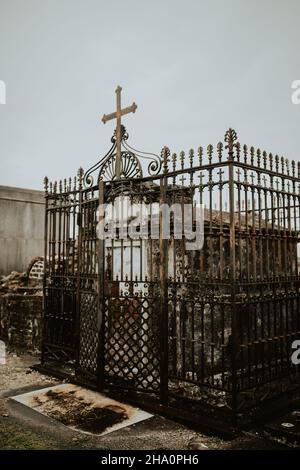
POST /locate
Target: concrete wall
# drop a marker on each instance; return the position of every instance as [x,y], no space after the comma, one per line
[21,227]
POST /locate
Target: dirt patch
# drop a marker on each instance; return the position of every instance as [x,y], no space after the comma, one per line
[71,410]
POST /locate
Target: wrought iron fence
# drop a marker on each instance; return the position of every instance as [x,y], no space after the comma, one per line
[210,326]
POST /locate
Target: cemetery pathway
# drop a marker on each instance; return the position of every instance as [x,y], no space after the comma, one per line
[22,428]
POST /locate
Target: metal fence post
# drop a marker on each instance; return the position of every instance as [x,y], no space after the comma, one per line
[230,138]
[46,181]
[101,298]
[78,274]
[163,272]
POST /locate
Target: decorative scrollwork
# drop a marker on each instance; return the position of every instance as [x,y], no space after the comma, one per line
[124,135]
[131,166]
[155,163]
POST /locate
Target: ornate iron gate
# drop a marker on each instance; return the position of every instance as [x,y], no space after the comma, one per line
[208,326]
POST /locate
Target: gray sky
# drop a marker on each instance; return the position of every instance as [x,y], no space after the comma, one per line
[194,68]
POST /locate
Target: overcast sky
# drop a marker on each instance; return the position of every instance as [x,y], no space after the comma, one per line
[194,68]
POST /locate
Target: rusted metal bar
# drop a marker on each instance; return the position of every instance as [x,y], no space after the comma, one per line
[163,272]
[230,138]
[45,278]
[78,274]
[101,293]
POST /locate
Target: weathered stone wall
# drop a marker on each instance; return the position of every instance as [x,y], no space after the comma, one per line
[20,322]
[21,229]
[21,303]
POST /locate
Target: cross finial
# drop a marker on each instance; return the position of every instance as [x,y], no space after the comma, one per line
[117,115]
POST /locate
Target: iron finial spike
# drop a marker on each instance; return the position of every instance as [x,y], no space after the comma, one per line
[252,151]
[282,164]
[200,155]
[271,161]
[46,181]
[174,160]
[80,176]
[238,151]
[287,164]
[165,154]
[245,150]
[265,159]
[182,157]
[258,156]
[210,150]
[220,150]
[230,139]
[191,156]
[277,163]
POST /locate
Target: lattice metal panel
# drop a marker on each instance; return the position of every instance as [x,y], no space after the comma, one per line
[89,289]
[88,332]
[131,343]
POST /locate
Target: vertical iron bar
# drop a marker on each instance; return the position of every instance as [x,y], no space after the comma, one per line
[45,272]
[163,245]
[78,273]
[101,294]
[230,140]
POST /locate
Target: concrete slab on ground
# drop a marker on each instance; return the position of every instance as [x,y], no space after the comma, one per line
[81,409]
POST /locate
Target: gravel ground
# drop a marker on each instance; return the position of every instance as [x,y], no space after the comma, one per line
[22,428]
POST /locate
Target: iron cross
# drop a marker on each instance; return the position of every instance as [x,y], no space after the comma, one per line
[117,115]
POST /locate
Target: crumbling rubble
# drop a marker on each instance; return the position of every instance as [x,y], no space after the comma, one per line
[20,283]
[21,301]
